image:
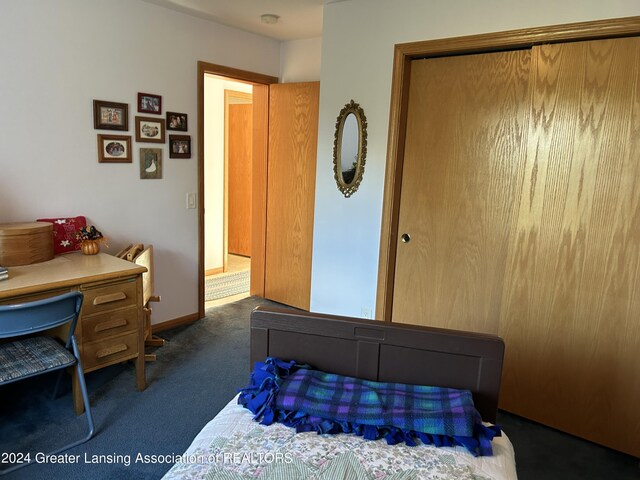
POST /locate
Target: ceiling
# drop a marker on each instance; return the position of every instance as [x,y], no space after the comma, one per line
[298,18]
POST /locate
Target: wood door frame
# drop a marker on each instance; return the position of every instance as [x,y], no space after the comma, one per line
[261,84]
[228,95]
[403,55]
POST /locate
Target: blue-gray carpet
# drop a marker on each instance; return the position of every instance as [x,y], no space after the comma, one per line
[195,375]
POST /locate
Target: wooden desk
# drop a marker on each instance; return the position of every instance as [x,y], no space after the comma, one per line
[111,325]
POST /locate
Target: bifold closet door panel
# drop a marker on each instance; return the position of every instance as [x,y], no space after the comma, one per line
[462,174]
[291,177]
[571,309]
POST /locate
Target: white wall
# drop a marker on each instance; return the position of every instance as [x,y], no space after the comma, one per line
[300,60]
[357,54]
[214,88]
[56,57]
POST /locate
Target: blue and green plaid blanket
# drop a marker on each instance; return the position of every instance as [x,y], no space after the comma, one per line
[310,400]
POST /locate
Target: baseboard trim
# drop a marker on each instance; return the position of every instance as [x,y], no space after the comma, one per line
[214,271]
[176,322]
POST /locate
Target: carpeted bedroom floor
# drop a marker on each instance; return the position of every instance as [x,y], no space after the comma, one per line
[195,375]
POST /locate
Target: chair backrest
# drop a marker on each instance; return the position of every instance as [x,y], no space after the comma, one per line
[33,317]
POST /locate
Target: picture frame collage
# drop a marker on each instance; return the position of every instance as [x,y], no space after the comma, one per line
[116,147]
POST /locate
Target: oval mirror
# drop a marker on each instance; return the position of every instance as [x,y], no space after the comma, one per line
[350,148]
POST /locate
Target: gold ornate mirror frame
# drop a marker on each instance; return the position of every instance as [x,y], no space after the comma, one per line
[349,179]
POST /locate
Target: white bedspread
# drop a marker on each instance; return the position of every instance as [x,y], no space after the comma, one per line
[233,447]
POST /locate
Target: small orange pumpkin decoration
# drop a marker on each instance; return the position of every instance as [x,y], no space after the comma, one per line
[90,238]
[90,247]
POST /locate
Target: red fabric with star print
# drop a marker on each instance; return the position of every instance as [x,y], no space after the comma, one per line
[64,233]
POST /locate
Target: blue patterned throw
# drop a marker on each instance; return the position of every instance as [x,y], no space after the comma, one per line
[310,400]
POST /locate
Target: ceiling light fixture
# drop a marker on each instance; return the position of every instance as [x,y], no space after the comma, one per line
[269,18]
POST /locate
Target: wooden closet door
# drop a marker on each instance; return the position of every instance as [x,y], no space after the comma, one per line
[462,175]
[291,180]
[239,176]
[571,309]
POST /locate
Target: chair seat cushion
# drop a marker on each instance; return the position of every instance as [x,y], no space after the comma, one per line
[30,356]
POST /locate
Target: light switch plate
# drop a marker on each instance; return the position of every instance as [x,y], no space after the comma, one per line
[191,201]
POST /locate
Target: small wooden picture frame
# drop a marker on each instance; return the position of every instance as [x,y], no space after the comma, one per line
[177,121]
[110,115]
[149,103]
[114,148]
[150,129]
[150,163]
[179,146]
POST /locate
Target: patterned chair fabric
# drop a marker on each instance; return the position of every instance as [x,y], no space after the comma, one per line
[31,356]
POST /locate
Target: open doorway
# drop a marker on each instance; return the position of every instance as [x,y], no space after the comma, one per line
[215,182]
[228,138]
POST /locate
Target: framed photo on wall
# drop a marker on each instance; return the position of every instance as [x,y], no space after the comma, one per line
[114,148]
[149,103]
[150,129]
[177,121]
[150,163]
[110,115]
[179,146]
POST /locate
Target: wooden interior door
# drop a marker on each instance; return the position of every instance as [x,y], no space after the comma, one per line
[462,175]
[293,140]
[239,146]
[571,306]
[521,194]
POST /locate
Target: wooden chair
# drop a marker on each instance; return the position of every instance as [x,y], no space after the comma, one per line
[139,255]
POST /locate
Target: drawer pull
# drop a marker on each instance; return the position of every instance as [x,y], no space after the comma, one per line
[112,297]
[111,350]
[101,327]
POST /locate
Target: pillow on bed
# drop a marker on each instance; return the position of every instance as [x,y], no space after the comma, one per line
[65,231]
[310,400]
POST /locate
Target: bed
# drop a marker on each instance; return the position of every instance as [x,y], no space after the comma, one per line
[234,446]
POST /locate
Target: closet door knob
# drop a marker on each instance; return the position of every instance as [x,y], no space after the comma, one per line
[406,238]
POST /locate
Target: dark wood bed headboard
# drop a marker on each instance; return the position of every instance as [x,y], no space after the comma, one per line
[383,352]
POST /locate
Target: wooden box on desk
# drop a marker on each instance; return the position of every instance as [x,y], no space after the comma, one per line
[25,243]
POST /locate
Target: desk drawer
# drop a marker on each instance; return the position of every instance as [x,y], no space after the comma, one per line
[32,297]
[109,297]
[108,324]
[112,350]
